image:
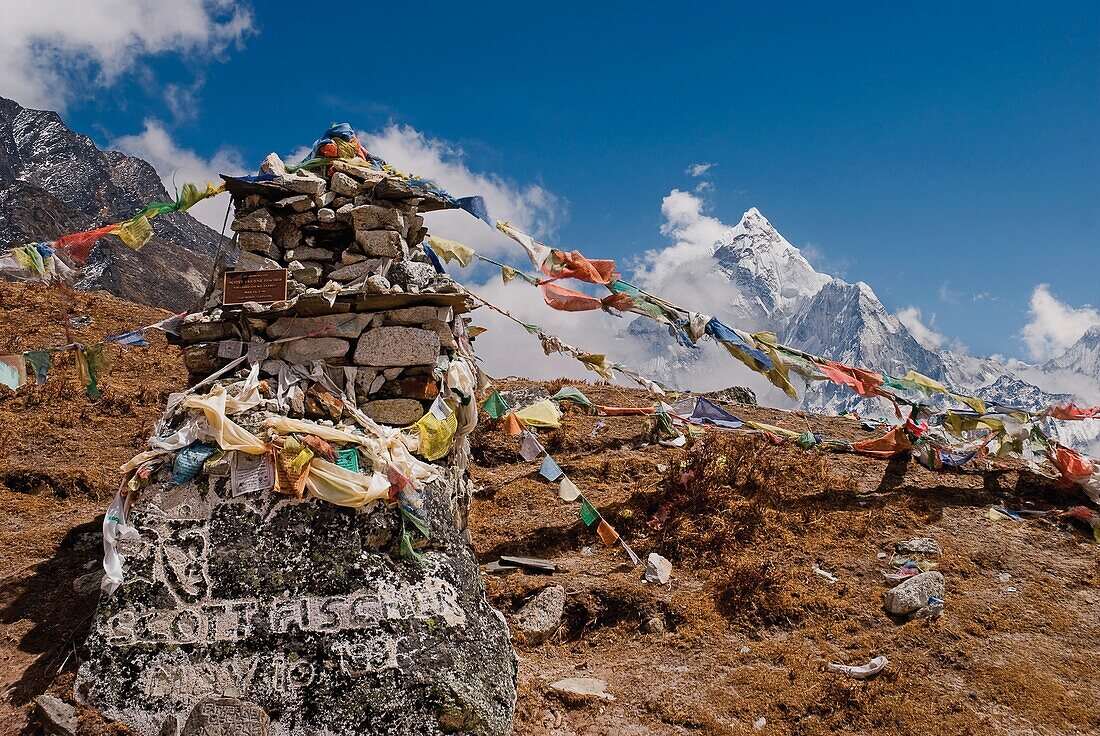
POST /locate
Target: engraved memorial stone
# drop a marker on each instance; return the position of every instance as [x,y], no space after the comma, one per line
[243,610]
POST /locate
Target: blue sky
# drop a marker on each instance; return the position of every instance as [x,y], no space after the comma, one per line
[946,155]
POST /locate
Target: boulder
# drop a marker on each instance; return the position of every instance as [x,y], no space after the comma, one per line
[425,387]
[306,253]
[914,594]
[306,275]
[259,243]
[309,349]
[303,182]
[397,346]
[354,271]
[376,285]
[297,203]
[412,273]
[255,262]
[287,235]
[272,164]
[541,616]
[395,412]
[410,316]
[303,609]
[372,217]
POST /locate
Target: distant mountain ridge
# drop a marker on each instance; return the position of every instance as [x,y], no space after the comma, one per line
[772,286]
[54,181]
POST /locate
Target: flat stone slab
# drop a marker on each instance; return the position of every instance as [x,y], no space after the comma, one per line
[397,346]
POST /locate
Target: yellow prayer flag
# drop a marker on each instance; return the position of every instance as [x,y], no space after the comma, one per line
[973,402]
[924,382]
[449,250]
[436,435]
[136,232]
[540,414]
[596,363]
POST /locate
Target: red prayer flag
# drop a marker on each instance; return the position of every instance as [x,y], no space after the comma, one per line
[863,382]
[567,300]
[78,246]
[1072,411]
[562,265]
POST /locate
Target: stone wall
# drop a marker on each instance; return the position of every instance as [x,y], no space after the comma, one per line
[247,611]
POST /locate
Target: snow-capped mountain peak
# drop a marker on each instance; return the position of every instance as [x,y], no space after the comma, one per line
[1083,356]
[759,280]
[769,274]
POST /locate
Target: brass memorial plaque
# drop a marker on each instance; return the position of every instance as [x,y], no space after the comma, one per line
[263,287]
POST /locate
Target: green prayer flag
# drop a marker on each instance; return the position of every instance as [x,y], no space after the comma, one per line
[806,440]
[897,383]
[495,406]
[572,393]
[533,329]
[348,459]
[589,515]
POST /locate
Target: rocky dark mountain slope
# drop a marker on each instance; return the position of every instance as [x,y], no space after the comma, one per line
[54,181]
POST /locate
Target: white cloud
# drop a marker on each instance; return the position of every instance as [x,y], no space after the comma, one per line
[177,166]
[682,272]
[693,234]
[699,169]
[926,335]
[53,51]
[1055,325]
[530,207]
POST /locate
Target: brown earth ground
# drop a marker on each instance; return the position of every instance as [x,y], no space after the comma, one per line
[742,632]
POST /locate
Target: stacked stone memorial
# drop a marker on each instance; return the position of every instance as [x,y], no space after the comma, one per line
[291,551]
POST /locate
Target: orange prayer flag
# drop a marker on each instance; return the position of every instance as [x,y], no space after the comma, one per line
[890,444]
[513,425]
[1071,464]
[607,533]
[562,265]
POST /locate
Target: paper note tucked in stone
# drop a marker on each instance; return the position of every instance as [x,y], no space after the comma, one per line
[252,473]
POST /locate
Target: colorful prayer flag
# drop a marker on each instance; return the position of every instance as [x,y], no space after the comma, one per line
[549,469]
[589,515]
[495,406]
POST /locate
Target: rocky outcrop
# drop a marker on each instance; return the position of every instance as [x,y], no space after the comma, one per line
[54,181]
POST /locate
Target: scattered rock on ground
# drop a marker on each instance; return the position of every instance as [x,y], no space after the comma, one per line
[657,569]
[581,689]
[918,546]
[56,717]
[541,616]
[914,594]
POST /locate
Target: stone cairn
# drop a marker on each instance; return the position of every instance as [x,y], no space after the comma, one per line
[248,605]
